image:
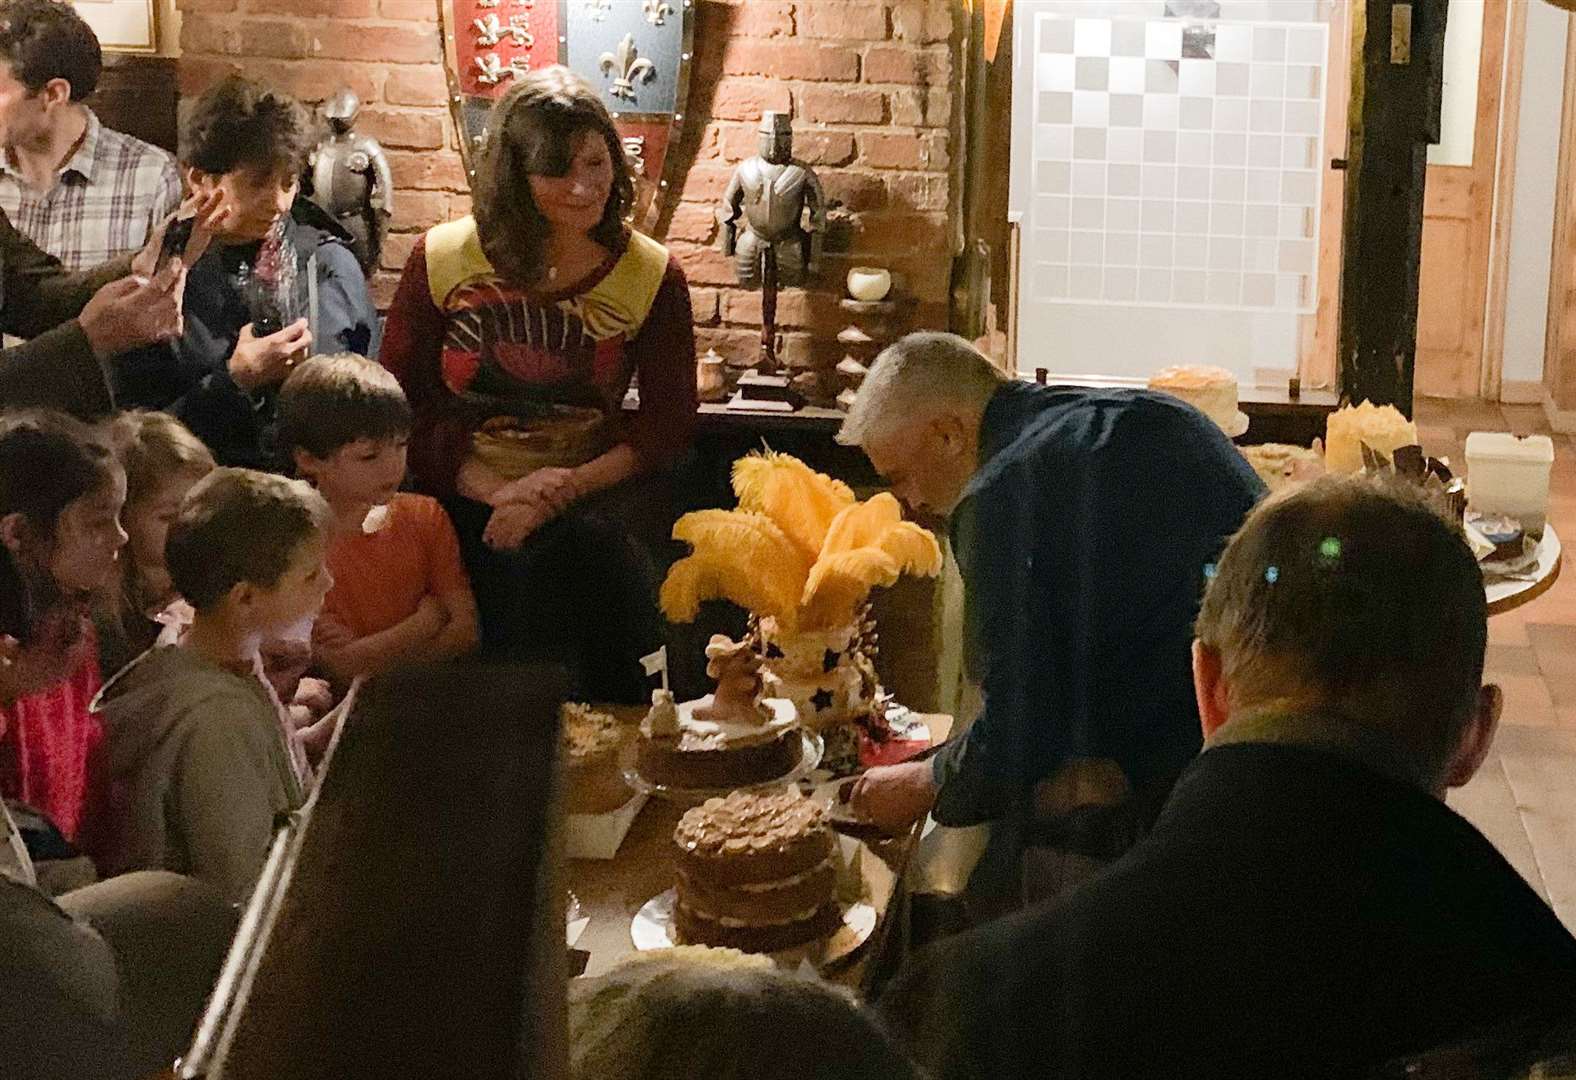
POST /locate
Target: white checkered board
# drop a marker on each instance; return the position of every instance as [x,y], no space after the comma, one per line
[1176,164]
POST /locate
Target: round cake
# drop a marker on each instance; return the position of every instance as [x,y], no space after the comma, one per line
[593,780]
[679,750]
[1210,390]
[1281,464]
[756,871]
[829,679]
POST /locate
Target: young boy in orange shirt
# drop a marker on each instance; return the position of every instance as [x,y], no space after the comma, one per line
[400,591]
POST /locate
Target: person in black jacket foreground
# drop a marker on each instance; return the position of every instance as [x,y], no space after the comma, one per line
[1306,905]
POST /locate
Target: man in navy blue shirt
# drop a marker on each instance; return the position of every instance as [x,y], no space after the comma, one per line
[1083,522]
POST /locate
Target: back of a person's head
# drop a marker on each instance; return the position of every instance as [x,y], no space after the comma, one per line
[240,526]
[331,401]
[44,40]
[153,448]
[915,376]
[1354,599]
[722,1015]
[241,125]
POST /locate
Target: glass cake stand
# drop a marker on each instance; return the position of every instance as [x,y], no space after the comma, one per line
[809,758]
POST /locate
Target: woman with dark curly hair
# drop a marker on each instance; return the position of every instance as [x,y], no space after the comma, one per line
[516,333]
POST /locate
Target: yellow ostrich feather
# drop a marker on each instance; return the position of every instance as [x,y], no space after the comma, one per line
[913,547]
[861,524]
[755,535]
[800,500]
[727,576]
[839,584]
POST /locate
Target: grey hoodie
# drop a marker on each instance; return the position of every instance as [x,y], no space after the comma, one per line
[197,768]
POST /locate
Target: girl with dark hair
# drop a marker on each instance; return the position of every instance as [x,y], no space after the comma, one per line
[61,492]
[516,333]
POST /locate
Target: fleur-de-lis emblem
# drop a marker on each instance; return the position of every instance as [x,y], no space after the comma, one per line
[657,11]
[626,68]
[492,71]
[596,10]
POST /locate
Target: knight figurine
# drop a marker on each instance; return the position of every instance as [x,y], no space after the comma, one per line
[350,178]
[784,215]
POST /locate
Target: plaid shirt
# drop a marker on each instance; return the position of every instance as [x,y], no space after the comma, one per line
[110,195]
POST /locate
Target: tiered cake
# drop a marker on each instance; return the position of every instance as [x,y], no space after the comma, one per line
[830,679]
[679,750]
[755,872]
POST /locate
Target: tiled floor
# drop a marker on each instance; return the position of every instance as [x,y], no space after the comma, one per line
[1524,799]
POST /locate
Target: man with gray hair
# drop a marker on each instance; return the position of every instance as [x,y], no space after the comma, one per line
[1306,905]
[1082,520]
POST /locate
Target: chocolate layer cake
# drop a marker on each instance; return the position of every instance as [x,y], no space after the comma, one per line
[593,782]
[694,754]
[755,872]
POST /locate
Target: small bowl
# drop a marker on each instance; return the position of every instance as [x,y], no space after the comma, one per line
[869,283]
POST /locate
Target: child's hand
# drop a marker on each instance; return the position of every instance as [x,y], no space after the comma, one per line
[328,634]
[510,525]
[433,615]
[315,695]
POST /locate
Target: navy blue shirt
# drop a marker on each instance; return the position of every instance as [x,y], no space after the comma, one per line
[1083,540]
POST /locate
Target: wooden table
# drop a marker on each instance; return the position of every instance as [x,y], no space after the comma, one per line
[611,891]
[1506,596]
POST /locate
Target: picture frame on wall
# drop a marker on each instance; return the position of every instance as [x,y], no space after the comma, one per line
[129,26]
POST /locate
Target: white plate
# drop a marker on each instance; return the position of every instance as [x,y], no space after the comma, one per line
[652,928]
[1239,425]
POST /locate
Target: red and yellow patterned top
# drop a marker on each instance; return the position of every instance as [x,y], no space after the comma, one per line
[468,346]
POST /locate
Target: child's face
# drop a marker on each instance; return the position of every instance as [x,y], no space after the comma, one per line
[147,522]
[88,539]
[359,475]
[299,592]
[256,198]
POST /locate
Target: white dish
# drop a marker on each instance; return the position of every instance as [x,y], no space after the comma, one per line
[652,928]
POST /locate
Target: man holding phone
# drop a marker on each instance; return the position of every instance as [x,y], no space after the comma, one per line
[78,323]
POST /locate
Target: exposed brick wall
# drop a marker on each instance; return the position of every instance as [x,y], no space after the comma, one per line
[870,84]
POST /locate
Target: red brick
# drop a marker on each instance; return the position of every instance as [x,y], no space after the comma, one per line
[896,232]
[920,22]
[432,172]
[459,204]
[918,191]
[404,128]
[340,9]
[704,306]
[861,20]
[812,63]
[809,308]
[408,10]
[394,43]
[856,191]
[921,107]
[756,18]
[695,223]
[423,85]
[905,64]
[382,287]
[841,105]
[271,37]
[816,147]
[417,211]
[209,34]
[895,150]
[205,5]
[927,278]
[197,73]
[706,183]
[738,346]
[704,265]
[311,80]
[396,249]
[746,99]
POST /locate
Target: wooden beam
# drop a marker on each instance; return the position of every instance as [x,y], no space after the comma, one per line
[1395,115]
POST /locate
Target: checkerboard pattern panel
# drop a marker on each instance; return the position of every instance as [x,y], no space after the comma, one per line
[1176,164]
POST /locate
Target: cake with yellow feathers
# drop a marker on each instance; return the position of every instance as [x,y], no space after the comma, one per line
[801,554]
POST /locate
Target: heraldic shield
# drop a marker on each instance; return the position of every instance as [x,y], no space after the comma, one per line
[635,52]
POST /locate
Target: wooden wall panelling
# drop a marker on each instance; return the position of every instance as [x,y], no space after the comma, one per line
[1492,378]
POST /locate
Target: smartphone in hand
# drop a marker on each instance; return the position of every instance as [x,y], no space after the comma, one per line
[176,236]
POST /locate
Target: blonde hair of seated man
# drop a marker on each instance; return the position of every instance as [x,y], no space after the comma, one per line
[1348,615]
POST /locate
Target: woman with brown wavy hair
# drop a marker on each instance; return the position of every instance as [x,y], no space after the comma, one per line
[515,333]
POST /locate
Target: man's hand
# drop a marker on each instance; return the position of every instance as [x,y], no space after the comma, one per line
[129,312]
[556,488]
[263,361]
[432,614]
[894,796]
[510,525]
[210,213]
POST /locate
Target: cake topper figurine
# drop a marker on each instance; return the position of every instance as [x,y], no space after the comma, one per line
[351,179]
[784,211]
[737,669]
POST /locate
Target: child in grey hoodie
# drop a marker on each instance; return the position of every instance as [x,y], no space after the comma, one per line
[198,754]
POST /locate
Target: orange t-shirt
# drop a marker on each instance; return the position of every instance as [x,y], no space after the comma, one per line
[381,577]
